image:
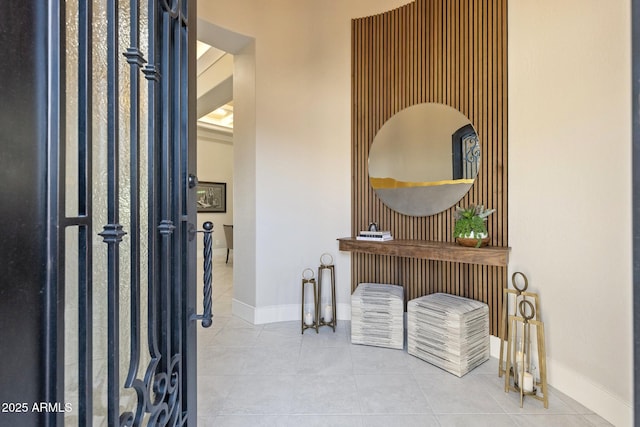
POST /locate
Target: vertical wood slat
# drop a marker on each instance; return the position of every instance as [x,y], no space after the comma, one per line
[452,52]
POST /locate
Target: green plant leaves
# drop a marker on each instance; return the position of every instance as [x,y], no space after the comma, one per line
[471,219]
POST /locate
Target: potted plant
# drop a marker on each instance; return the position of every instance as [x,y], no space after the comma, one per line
[470,228]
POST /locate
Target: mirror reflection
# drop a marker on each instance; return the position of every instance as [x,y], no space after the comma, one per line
[424,159]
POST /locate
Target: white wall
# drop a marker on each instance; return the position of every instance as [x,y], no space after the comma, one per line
[300,175]
[215,164]
[245,243]
[569,170]
[570,189]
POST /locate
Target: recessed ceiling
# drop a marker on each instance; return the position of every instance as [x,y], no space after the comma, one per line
[221,116]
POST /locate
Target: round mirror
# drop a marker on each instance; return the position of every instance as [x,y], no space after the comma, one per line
[424,159]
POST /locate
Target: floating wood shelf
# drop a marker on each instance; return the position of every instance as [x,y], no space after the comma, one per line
[427,249]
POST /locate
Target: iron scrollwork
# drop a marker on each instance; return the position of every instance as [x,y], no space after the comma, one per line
[159,393]
[473,152]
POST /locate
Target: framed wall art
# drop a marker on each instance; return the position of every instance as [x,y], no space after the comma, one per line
[212,197]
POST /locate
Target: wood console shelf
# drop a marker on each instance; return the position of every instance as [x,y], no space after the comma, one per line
[427,249]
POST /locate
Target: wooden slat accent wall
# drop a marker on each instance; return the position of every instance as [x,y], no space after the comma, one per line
[447,51]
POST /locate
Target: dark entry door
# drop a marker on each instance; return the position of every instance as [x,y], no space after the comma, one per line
[98,293]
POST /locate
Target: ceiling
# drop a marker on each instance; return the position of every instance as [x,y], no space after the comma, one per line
[221,116]
[214,88]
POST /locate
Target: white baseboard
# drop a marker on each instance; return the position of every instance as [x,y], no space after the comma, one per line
[278,313]
[244,311]
[573,384]
[582,390]
[343,311]
[494,346]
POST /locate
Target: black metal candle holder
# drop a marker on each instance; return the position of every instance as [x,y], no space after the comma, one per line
[327,312]
[309,312]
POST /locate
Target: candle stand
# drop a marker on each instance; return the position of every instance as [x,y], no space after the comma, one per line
[327,311]
[309,304]
[510,300]
[523,329]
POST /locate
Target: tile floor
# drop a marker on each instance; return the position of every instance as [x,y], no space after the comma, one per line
[272,375]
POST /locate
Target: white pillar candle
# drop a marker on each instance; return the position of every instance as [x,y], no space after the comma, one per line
[328,313]
[520,356]
[527,382]
[308,318]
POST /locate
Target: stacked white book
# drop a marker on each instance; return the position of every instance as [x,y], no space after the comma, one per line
[376,236]
[448,331]
[377,315]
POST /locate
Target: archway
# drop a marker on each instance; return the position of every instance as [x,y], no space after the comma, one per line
[244,174]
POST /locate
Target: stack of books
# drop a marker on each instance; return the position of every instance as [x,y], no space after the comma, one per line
[377,236]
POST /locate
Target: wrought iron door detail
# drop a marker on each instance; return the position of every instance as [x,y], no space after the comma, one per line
[151,188]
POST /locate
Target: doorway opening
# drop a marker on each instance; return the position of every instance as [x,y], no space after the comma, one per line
[226,152]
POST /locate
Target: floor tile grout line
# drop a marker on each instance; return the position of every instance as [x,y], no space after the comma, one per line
[262,342]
